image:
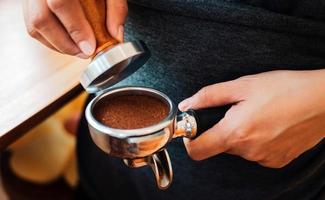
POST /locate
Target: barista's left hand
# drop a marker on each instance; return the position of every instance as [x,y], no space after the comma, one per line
[276,117]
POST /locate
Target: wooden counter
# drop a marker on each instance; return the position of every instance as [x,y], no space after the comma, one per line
[35,81]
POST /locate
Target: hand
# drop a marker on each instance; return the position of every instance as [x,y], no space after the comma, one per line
[276,117]
[62,26]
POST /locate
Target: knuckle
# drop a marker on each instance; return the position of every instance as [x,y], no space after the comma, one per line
[289,155]
[75,33]
[119,6]
[247,79]
[56,4]
[242,135]
[39,20]
[32,32]
[247,129]
[195,157]
[276,165]
[71,50]
[273,164]
[280,165]
[122,7]
[247,84]
[255,156]
[203,91]
[203,94]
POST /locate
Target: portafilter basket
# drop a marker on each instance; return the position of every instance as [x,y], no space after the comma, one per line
[146,146]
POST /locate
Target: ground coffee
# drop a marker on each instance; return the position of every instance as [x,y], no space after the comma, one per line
[130,111]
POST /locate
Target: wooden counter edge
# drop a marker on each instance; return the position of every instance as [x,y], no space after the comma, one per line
[18,131]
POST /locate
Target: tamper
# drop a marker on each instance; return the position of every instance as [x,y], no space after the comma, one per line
[112,61]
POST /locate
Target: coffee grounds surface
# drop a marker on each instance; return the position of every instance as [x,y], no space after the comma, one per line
[130,111]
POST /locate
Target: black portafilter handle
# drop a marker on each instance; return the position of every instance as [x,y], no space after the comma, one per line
[206,118]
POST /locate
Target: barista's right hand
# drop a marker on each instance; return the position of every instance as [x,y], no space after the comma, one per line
[62,26]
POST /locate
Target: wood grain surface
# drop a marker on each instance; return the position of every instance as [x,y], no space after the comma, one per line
[35,81]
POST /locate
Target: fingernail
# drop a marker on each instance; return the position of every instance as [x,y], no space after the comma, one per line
[82,55]
[184,105]
[120,33]
[86,48]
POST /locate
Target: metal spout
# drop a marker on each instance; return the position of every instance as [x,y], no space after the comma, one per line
[160,164]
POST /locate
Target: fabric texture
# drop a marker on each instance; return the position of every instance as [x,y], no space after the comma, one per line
[195,43]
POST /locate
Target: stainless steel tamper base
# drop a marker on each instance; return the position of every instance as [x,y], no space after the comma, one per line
[111,65]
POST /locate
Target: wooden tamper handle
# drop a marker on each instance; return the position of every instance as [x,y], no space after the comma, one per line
[95,11]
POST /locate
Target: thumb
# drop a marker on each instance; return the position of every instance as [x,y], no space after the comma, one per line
[116,15]
[214,95]
[208,144]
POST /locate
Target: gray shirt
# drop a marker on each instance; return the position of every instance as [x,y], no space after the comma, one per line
[195,43]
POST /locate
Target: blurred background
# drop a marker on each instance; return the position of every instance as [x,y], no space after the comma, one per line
[42,163]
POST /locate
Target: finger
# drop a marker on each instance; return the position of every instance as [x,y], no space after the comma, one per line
[32,32]
[209,143]
[40,38]
[214,95]
[45,23]
[75,23]
[116,16]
